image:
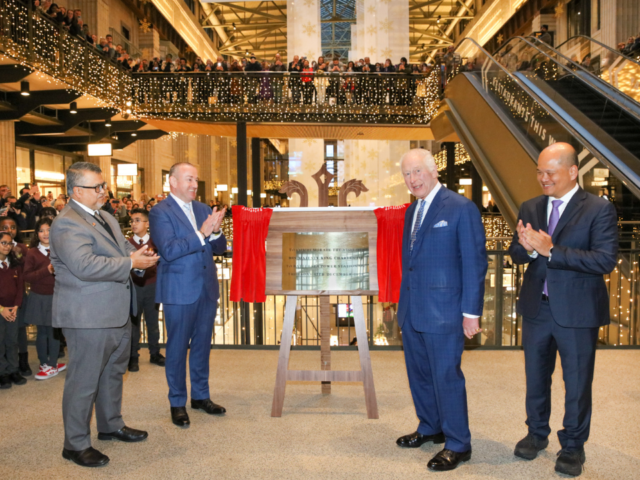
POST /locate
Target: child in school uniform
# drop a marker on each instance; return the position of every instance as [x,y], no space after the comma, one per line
[20,252]
[38,271]
[11,292]
[146,295]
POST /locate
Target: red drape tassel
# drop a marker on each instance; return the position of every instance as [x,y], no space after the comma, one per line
[389,251]
[249,273]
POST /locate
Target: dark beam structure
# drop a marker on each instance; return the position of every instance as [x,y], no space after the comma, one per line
[13,73]
[23,105]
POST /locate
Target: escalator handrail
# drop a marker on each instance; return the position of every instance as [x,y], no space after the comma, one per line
[605,89]
[630,176]
[606,47]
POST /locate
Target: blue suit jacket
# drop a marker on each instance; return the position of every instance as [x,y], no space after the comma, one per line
[444,275]
[186,266]
[585,247]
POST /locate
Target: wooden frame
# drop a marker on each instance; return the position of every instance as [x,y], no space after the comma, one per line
[296,220]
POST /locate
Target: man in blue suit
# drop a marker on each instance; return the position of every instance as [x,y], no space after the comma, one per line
[187,234]
[444,263]
[569,240]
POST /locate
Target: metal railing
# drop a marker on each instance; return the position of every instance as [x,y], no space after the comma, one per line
[284,96]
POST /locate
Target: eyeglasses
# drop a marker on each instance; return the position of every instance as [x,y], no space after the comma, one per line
[98,188]
[6,244]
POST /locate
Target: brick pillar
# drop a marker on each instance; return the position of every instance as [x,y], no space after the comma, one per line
[152,172]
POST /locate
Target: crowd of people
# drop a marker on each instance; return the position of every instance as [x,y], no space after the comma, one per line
[301,81]
[27,262]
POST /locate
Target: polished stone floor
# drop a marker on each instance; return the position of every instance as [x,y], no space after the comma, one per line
[321,437]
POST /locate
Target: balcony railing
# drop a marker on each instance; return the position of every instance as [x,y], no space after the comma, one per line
[36,40]
[287,97]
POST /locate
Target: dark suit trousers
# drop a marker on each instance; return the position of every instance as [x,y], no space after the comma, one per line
[437,384]
[98,358]
[146,302]
[189,327]
[542,339]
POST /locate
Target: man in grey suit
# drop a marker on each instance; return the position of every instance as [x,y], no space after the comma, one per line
[91,303]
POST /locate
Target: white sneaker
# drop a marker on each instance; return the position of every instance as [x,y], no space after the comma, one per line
[46,372]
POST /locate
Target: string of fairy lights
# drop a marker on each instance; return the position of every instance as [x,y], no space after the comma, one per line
[50,51]
[284,97]
[461,156]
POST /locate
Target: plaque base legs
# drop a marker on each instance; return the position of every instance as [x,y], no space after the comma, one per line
[325,375]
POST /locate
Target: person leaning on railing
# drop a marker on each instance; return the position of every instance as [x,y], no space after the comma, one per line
[308,89]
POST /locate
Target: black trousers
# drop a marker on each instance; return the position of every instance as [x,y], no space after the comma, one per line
[8,346]
[542,339]
[146,301]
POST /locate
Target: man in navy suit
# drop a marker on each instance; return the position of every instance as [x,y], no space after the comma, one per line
[569,239]
[187,235]
[444,263]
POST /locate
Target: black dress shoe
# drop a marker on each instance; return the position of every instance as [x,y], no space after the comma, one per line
[157,359]
[89,457]
[180,417]
[125,434]
[417,439]
[208,406]
[16,378]
[448,460]
[529,447]
[133,365]
[570,462]
[5,382]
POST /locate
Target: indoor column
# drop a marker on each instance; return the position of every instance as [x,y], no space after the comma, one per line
[8,174]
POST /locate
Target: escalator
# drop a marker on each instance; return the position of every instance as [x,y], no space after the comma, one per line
[505,108]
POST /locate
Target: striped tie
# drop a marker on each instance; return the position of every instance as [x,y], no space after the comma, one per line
[416,225]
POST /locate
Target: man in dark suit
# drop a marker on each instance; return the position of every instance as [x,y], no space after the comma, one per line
[187,234]
[569,240]
[444,264]
[92,303]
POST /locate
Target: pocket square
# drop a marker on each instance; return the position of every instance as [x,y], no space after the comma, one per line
[440,224]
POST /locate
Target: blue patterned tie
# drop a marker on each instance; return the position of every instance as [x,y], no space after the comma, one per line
[416,225]
[553,222]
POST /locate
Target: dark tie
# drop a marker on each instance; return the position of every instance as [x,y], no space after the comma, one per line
[48,253]
[416,225]
[105,225]
[553,223]
[141,242]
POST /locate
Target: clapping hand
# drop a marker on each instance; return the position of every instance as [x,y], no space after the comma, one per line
[141,260]
[213,222]
[51,269]
[522,236]
[539,240]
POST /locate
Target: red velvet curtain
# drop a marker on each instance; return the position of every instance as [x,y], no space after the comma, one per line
[389,251]
[249,274]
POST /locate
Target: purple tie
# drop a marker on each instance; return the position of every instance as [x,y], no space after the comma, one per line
[553,223]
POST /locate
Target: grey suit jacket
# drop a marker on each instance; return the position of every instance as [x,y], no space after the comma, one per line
[92,288]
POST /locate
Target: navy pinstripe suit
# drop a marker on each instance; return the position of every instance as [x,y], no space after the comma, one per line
[442,277]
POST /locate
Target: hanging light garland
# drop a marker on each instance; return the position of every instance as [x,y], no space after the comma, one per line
[51,51]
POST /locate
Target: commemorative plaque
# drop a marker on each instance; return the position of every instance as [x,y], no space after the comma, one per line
[325,261]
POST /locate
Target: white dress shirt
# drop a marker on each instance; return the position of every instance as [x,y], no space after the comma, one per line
[565,201]
[188,207]
[429,200]
[144,239]
[5,262]
[44,250]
